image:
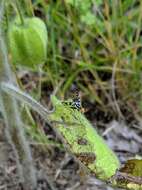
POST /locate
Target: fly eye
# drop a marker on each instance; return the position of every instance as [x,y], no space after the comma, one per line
[70,103]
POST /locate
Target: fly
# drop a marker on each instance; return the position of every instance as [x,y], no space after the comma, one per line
[75,103]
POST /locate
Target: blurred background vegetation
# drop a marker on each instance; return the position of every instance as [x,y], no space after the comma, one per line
[93,46]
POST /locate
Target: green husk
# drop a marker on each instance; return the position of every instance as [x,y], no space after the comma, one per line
[28,42]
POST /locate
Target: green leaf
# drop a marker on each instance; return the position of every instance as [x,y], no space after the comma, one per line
[83,141]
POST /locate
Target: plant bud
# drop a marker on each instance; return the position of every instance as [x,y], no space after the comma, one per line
[28,41]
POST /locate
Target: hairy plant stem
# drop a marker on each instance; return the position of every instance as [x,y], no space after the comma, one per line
[13,124]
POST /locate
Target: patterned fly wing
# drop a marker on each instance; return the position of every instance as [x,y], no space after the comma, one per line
[75,102]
